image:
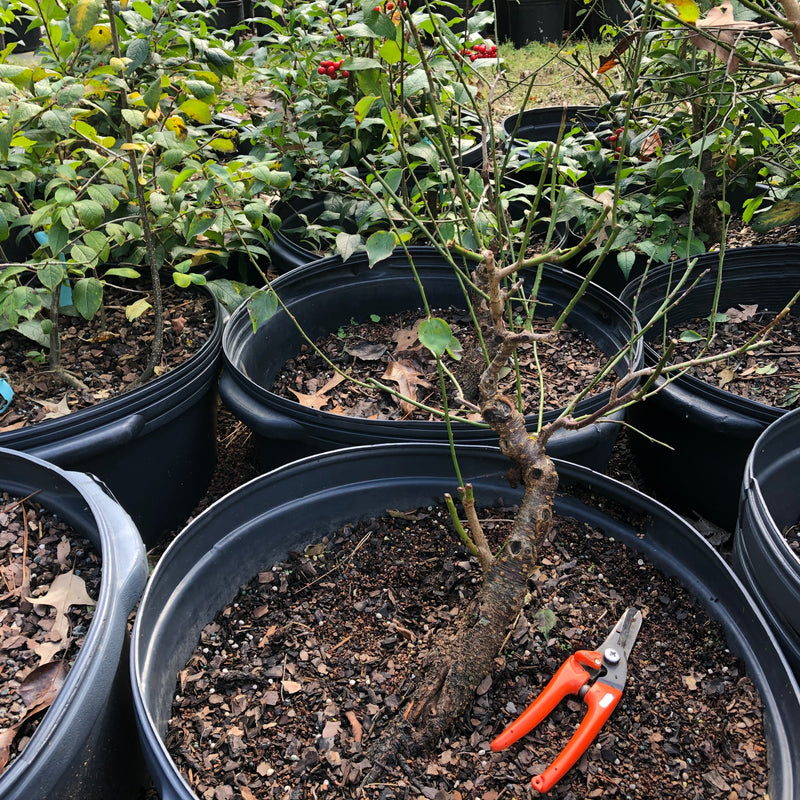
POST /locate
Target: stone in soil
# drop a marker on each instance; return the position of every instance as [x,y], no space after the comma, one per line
[291,682]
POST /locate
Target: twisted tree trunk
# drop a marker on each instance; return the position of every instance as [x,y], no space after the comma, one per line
[456,667]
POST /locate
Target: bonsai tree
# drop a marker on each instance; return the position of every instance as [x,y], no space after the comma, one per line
[478,236]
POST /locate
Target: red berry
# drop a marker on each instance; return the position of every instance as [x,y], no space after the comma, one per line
[338,64]
[389,6]
[345,73]
[481,48]
[472,56]
[331,71]
[322,70]
[339,37]
[620,130]
[377,8]
[613,138]
[619,149]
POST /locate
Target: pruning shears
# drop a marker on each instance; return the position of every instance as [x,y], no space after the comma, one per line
[595,676]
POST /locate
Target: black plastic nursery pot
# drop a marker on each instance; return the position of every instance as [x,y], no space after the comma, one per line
[770,503]
[154,446]
[17,32]
[85,747]
[710,432]
[544,124]
[258,524]
[326,294]
[288,249]
[534,20]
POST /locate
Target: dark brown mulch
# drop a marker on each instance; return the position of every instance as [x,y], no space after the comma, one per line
[107,355]
[292,681]
[387,350]
[36,547]
[769,375]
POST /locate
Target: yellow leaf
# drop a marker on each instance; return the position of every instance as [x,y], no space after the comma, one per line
[119,64]
[99,37]
[134,146]
[151,117]
[84,15]
[197,110]
[687,10]
[177,126]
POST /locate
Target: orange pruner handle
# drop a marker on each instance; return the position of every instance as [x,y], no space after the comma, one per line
[572,675]
[601,700]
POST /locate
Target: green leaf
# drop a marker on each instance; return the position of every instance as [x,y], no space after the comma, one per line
[690,336]
[57,238]
[138,51]
[90,213]
[133,117]
[784,212]
[231,294]
[362,107]
[51,276]
[87,296]
[347,244]
[182,279]
[545,620]
[261,306]
[380,246]
[380,23]
[202,90]
[143,9]
[416,81]
[83,256]
[220,60]
[198,110]
[58,120]
[435,334]
[25,302]
[626,259]
[694,177]
[360,63]
[390,52]
[122,272]
[83,16]
[153,94]
[103,196]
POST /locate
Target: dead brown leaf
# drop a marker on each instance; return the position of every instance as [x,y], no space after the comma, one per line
[366,351]
[37,691]
[55,410]
[741,314]
[67,589]
[407,378]
[406,338]
[317,401]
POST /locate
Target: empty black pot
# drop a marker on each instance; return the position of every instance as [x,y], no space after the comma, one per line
[85,747]
[154,446]
[258,524]
[770,503]
[326,294]
[711,431]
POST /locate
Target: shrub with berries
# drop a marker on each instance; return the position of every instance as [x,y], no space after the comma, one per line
[332,69]
[479,51]
[616,137]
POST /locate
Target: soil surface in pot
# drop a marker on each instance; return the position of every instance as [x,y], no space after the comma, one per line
[768,375]
[107,356]
[42,560]
[291,682]
[387,350]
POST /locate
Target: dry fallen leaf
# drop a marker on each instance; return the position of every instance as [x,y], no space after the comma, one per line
[67,589]
[741,314]
[55,410]
[291,687]
[37,691]
[366,351]
[407,378]
[725,377]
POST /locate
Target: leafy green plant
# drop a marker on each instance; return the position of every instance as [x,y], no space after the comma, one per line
[111,162]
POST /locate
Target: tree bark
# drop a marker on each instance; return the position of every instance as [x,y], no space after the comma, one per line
[456,667]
